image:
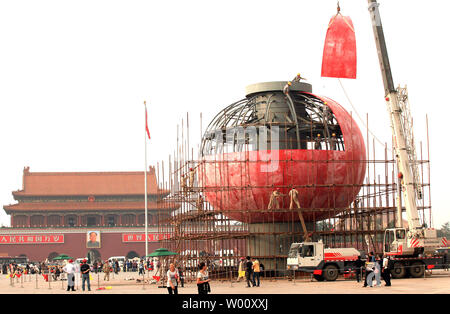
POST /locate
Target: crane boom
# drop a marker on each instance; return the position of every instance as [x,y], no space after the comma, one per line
[395,112]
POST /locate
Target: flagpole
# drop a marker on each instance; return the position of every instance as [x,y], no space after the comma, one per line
[145,185]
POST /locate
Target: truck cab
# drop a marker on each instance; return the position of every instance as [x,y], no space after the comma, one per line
[323,263]
[306,255]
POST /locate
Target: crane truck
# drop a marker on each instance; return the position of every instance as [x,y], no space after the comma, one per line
[412,249]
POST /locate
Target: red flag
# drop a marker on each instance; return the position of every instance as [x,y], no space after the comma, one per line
[146,124]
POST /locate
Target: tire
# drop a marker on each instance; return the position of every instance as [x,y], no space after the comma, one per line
[417,270]
[398,271]
[319,277]
[331,273]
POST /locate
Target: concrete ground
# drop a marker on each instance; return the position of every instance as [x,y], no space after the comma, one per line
[438,283]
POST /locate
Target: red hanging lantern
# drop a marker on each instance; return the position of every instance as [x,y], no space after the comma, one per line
[339,53]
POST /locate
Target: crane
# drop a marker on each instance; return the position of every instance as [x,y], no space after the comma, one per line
[412,250]
[418,239]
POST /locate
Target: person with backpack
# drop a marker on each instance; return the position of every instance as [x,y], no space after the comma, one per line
[368,268]
[370,274]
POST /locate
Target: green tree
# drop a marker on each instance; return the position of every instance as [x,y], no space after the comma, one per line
[444,231]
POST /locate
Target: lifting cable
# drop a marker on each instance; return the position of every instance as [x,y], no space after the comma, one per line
[362,121]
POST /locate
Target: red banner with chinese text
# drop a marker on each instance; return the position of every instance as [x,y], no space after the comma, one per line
[31,239]
[140,237]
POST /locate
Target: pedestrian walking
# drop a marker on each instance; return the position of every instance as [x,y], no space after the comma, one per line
[370,268]
[256,272]
[106,270]
[358,266]
[69,269]
[77,274]
[172,279]
[367,270]
[386,271]
[158,266]
[181,274]
[203,279]
[377,270]
[241,269]
[85,275]
[249,271]
[57,272]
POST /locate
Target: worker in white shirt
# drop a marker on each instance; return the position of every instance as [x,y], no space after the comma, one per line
[273,203]
[293,196]
[191,178]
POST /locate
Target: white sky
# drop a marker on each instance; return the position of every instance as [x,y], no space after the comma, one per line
[74,75]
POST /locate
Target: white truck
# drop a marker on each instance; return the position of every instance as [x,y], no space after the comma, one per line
[411,250]
[323,263]
[328,263]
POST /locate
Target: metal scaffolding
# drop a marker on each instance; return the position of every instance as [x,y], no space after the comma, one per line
[200,233]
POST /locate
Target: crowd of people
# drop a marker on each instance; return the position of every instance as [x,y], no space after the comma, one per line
[67,270]
[375,267]
[250,268]
[371,271]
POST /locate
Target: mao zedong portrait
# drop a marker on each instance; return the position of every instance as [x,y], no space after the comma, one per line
[93,241]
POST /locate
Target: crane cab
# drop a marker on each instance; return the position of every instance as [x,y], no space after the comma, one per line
[394,241]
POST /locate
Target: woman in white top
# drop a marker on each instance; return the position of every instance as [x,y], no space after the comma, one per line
[172,279]
[203,280]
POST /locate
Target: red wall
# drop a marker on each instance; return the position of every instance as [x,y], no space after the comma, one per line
[75,245]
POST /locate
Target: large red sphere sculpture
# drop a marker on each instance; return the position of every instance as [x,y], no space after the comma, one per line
[280,137]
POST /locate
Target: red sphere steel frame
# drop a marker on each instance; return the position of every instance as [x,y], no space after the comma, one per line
[328,181]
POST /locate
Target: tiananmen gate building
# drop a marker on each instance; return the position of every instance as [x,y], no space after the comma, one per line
[83,214]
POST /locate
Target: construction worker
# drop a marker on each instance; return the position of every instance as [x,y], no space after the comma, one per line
[326,114]
[273,203]
[333,141]
[184,184]
[286,88]
[318,144]
[191,178]
[298,78]
[293,196]
[199,203]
